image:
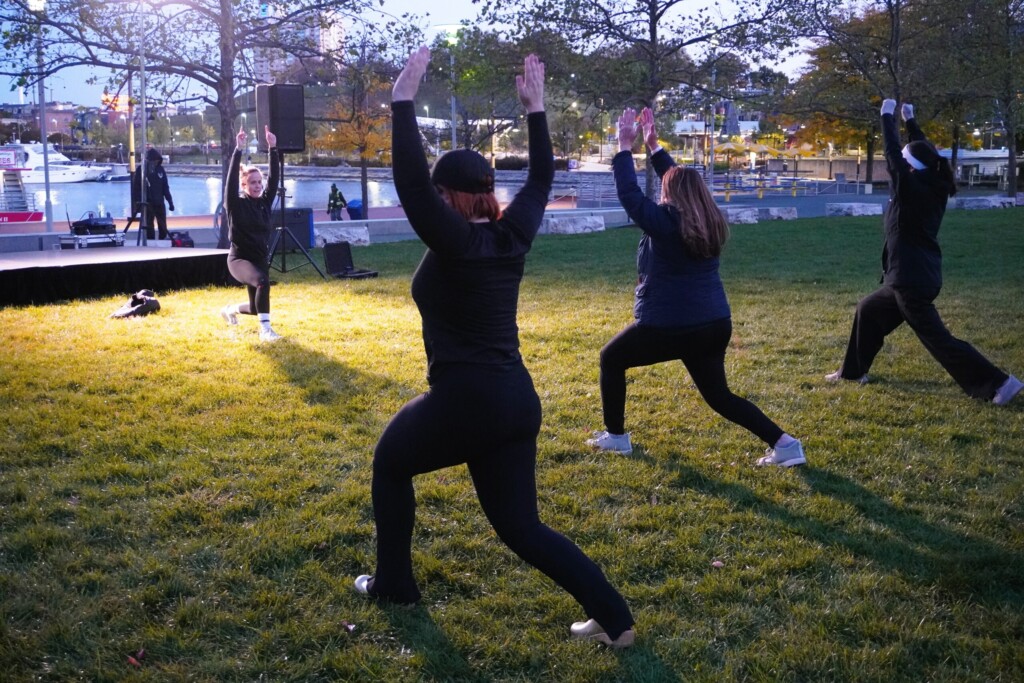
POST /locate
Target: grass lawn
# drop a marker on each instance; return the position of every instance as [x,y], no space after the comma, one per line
[181,502]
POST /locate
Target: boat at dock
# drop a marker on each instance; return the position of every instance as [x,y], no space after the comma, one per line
[27,158]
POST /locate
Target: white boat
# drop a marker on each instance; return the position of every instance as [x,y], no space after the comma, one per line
[28,158]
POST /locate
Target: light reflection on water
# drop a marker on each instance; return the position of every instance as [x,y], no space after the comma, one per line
[200,196]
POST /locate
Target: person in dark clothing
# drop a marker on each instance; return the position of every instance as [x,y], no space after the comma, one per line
[481,407]
[248,215]
[335,203]
[157,190]
[920,184]
[681,311]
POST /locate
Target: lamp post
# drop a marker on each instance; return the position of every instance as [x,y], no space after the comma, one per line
[452,39]
[39,6]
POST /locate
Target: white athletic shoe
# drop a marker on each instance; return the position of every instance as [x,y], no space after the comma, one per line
[269,335]
[1011,387]
[591,630]
[785,456]
[229,315]
[616,443]
[836,377]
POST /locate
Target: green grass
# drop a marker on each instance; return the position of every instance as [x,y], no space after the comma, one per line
[173,486]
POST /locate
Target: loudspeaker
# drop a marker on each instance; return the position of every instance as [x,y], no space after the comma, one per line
[299,221]
[282,108]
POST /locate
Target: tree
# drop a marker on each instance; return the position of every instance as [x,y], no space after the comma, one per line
[641,45]
[210,45]
[360,117]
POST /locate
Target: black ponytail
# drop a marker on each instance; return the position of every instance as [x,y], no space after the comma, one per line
[945,173]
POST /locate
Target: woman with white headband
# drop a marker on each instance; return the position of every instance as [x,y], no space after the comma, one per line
[921,182]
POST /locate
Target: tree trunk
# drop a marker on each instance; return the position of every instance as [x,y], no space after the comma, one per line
[364,183]
[869,174]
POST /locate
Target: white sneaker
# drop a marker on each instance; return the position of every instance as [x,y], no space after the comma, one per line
[591,630]
[363,583]
[835,377]
[616,443]
[269,335]
[784,456]
[1011,387]
[229,315]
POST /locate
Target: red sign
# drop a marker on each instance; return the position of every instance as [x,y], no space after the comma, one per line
[20,216]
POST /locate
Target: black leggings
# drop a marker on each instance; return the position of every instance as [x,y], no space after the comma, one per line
[487,417]
[702,351]
[256,280]
[885,309]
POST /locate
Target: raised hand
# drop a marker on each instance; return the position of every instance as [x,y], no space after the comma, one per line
[647,123]
[888,106]
[908,112]
[271,138]
[530,85]
[240,138]
[627,129]
[408,82]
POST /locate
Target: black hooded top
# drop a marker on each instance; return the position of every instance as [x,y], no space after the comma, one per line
[911,256]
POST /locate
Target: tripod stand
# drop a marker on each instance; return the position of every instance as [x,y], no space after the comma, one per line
[279,239]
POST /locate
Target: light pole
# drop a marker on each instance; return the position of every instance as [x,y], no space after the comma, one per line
[452,39]
[39,6]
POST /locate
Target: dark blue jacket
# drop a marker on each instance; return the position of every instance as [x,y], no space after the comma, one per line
[675,288]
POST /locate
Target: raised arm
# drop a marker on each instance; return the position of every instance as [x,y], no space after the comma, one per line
[914,131]
[231,188]
[274,162]
[526,210]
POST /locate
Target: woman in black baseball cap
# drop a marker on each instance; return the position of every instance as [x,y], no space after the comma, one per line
[481,408]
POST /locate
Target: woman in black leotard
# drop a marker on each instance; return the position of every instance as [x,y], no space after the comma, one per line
[481,408]
[249,226]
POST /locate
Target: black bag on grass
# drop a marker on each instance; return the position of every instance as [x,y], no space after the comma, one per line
[143,302]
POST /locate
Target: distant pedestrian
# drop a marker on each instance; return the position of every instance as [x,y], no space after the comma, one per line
[335,203]
[681,310]
[921,182]
[157,190]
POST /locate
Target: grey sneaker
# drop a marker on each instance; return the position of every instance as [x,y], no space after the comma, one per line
[616,443]
[229,315]
[1011,387]
[786,456]
[834,377]
[269,335]
[591,630]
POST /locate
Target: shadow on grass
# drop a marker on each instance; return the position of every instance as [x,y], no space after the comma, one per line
[895,539]
[440,659]
[324,380]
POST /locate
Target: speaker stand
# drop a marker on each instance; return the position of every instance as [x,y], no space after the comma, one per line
[279,239]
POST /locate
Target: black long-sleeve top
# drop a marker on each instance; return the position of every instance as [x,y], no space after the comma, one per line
[467,285]
[249,220]
[911,256]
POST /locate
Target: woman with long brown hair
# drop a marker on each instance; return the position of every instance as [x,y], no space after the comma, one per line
[680,310]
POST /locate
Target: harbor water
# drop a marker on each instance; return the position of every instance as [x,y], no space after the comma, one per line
[201,196]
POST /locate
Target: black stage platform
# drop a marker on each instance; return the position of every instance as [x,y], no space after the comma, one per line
[39,277]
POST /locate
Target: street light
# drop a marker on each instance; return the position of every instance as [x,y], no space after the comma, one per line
[39,7]
[452,38]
